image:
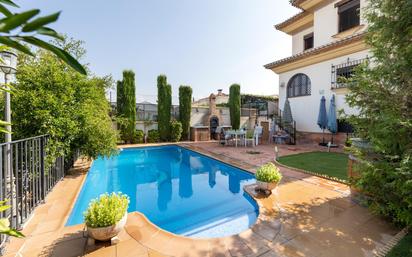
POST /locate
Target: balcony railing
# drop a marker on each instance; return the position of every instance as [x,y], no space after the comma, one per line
[344,71]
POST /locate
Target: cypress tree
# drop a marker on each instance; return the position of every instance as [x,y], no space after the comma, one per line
[164,104]
[128,106]
[185,109]
[234,105]
[119,97]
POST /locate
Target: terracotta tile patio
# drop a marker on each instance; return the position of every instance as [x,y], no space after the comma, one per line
[305,216]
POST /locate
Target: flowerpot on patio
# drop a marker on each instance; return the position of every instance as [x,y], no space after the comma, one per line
[267,177]
[107,233]
[266,185]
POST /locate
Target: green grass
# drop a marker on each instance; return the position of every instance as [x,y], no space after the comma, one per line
[403,248]
[331,164]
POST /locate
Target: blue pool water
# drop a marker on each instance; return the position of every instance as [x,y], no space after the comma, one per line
[179,190]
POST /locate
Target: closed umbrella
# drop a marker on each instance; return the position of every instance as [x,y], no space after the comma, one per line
[323,119]
[287,113]
[332,121]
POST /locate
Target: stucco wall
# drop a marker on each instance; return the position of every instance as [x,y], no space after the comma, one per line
[297,40]
[305,109]
[326,23]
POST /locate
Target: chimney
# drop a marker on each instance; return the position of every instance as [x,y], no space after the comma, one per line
[219,92]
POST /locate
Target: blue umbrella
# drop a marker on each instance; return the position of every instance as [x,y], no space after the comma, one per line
[322,118]
[332,122]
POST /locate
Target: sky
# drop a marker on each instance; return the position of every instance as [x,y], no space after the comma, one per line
[208,45]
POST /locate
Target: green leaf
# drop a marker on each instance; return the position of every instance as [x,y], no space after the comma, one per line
[63,55]
[4,224]
[8,2]
[13,233]
[49,32]
[5,11]
[4,207]
[17,20]
[40,22]
[15,45]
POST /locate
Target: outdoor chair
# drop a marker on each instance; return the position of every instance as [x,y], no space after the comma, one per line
[250,138]
[258,134]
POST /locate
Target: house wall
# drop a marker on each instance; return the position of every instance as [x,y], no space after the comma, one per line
[325,26]
[305,109]
[297,40]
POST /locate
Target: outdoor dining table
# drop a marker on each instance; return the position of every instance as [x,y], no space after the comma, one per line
[237,134]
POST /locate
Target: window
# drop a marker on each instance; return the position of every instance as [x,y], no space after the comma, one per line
[344,71]
[298,85]
[349,16]
[308,41]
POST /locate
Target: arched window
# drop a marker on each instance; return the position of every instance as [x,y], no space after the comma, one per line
[298,85]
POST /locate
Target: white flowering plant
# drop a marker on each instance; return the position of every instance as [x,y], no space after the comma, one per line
[106,210]
[268,173]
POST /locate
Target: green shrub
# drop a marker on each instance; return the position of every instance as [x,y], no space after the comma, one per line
[106,210]
[268,173]
[138,137]
[234,105]
[153,136]
[175,131]
[185,109]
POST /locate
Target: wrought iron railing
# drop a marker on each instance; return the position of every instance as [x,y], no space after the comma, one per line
[344,71]
[26,177]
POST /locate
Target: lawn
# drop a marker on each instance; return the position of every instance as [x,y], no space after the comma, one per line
[403,248]
[331,164]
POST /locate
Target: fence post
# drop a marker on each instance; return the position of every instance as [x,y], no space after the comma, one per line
[42,175]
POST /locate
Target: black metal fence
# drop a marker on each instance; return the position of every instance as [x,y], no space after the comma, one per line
[26,177]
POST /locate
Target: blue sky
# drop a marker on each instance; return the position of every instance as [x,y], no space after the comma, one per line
[205,44]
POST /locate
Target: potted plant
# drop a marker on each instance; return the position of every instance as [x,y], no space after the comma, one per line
[268,176]
[106,216]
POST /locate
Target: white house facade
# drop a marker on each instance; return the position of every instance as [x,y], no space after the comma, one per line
[327,43]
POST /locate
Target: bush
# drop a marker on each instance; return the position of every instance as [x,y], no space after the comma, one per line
[185,109]
[175,131]
[268,173]
[153,136]
[138,137]
[107,210]
[234,105]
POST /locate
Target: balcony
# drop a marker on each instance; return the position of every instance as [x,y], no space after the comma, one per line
[344,71]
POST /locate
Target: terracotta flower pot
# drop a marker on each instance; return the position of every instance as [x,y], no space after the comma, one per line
[266,185]
[107,233]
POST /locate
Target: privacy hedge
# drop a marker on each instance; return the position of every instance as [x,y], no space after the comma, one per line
[234,105]
[164,105]
[119,97]
[185,109]
[128,106]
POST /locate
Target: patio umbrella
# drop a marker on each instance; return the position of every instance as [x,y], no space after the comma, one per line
[287,113]
[323,119]
[332,122]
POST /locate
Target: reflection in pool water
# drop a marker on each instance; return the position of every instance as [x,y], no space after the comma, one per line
[179,190]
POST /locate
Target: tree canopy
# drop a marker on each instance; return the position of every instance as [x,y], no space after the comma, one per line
[382,92]
[51,98]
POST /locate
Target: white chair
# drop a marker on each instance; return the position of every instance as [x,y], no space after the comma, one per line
[258,133]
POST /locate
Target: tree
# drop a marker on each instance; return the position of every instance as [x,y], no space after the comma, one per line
[164,105]
[234,105]
[382,92]
[185,109]
[119,97]
[127,102]
[50,98]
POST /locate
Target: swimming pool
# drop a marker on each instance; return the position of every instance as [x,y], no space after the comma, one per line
[179,190]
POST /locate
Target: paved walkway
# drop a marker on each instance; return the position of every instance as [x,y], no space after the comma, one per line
[305,216]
